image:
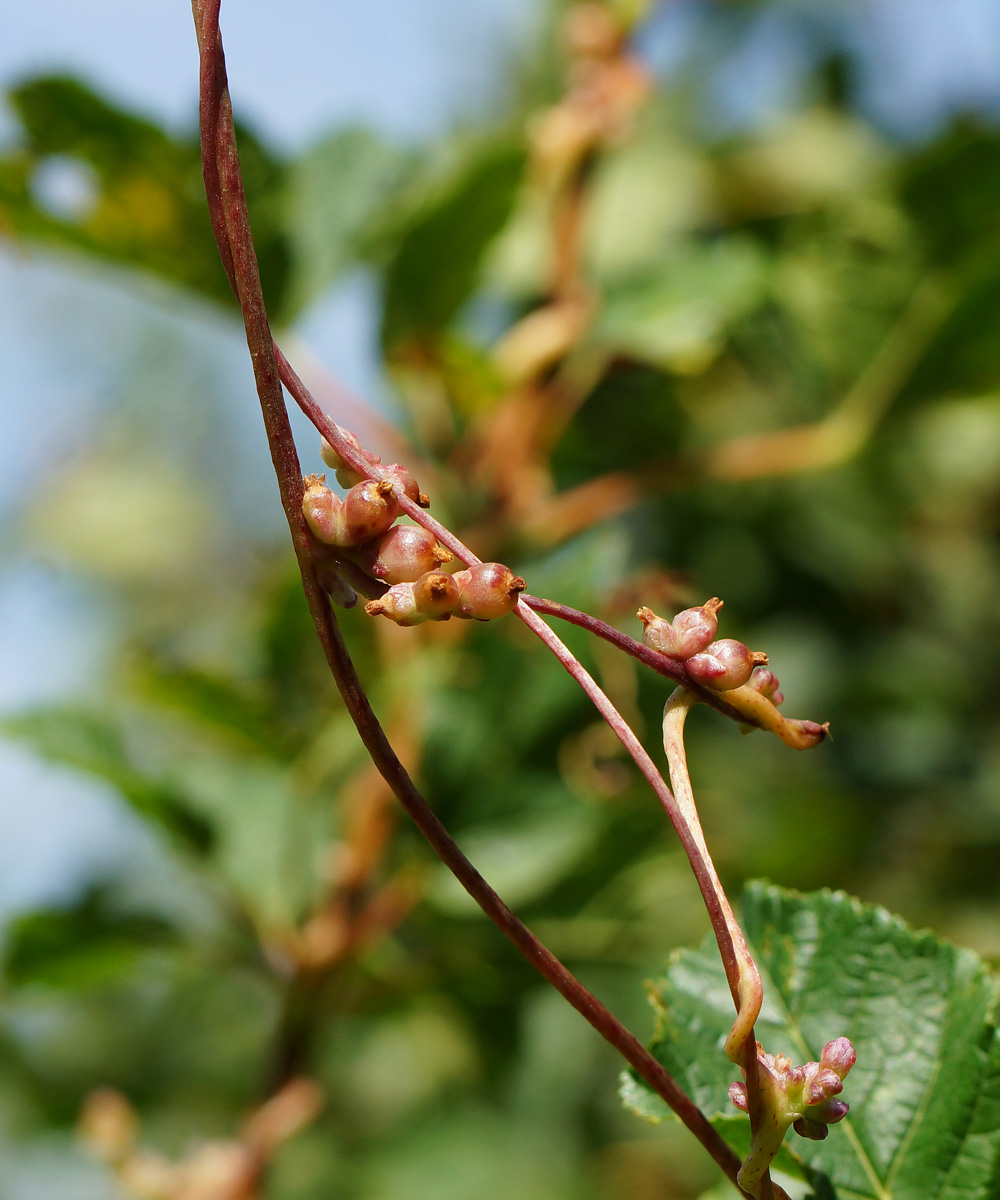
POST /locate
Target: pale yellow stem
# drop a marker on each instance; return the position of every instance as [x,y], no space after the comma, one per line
[741,970]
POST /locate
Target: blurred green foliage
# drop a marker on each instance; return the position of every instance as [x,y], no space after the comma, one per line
[742,286]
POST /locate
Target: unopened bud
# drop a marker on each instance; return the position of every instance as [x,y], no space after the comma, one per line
[405,484]
[436,594]
[839,1056]
[766,682]
[810,1129]
[689,632]
[398,605]
[823,1084]
[321,509]
[432,597]
[724,664]
[369,509]
[488,590]
[402,554]
[346,476]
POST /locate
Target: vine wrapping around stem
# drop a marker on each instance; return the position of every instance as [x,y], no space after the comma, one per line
[230,225]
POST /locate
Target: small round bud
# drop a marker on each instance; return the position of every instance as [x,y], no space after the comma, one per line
[657,633]
[369,509]
[488,590]
[839,1056]
[436,595]
[823,1084]
[724,664]
[322,510]
[811,1130]
[405,484]
[402,554]
[689,632]
[333,459]
[398,605]
[829,1112]
[696,627]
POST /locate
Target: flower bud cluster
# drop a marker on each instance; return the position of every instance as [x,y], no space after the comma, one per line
[806,1097]
[482,592]
[719,664]
[348,478]
[407,557]
[766,682]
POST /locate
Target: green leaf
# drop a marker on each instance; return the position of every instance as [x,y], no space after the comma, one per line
[148,209]
[91,742]
[211,701]
[676,315]
[79,946]
[438,260]
[925,1093]
[332,192]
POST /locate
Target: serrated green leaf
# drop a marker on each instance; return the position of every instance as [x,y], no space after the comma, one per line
[925,1093]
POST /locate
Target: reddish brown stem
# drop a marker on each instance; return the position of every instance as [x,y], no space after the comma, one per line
[226,199]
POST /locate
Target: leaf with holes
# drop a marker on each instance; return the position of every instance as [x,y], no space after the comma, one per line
[925,1093]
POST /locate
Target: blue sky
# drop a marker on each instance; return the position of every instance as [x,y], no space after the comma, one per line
[409,66]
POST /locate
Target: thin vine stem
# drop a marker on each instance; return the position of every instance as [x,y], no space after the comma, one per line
[230,224]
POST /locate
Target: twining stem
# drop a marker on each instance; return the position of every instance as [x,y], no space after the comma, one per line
[230,224]
[800,735]
[744,704]
[741,970]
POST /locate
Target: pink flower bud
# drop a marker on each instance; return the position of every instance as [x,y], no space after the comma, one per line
[724,664]
[398,604]
[824,1084]
[402,554]
[436,595]
[658,633]
[696,627]
[402,480]
[488,590]
[333,459]
[689,632]
[369,509]
[766,682]
[839,1056]
[829,1112]
[321,509]
[432,597]
[809,1129]
[738,1095]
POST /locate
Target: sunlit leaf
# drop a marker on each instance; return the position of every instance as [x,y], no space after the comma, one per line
[925,1093]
